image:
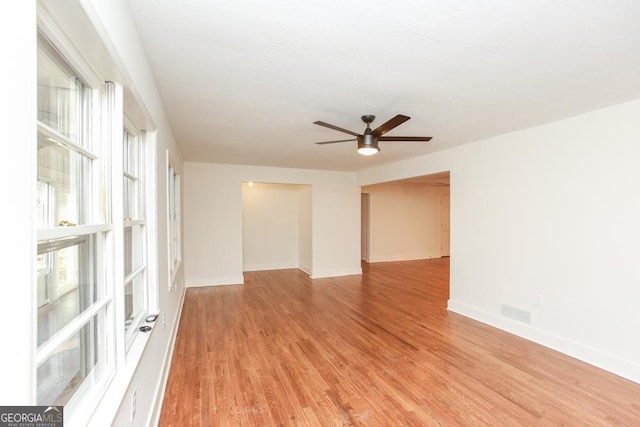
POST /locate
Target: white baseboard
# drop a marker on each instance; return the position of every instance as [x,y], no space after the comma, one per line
[318,274]
[154,416]
[215,281]
[305,268]
[270,266]
[593,356]
[403,257]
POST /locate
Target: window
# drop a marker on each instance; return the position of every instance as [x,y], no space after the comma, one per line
[73,301]
[135,257]
[173,226]
[93,230]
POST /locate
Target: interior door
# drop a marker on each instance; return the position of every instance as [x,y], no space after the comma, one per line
[444,225]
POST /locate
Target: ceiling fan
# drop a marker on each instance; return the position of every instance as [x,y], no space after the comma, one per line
[368,141]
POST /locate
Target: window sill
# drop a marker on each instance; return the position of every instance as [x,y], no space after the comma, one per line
[116,391]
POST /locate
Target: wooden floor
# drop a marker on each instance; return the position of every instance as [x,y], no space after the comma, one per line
[376,350]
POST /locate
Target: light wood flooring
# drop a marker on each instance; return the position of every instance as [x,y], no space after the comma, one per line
[374,350]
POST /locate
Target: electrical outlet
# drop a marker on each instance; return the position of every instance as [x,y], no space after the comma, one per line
[133,404]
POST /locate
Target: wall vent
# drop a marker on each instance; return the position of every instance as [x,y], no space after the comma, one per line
[515,313]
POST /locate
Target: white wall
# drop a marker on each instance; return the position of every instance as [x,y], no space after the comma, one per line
[404,221]
[305,231]
[213,220]
[336,229]
[113,20]
[270,226]
[17,253]
[552,210]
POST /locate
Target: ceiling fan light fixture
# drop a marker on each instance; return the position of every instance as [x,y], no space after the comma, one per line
[368,151]
[367,145]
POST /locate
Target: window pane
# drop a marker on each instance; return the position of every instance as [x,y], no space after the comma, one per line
[128,250]
[125,151]
[66,282]
[130,154]
[129,201]
[63,184]
[133,248]
[134,299]
[63,101]
[46,203]
[133,194]
[71,363]
[140,182]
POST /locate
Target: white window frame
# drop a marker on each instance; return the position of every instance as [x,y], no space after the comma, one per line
[99,397]
[174,221]
[95,225]
[138,226]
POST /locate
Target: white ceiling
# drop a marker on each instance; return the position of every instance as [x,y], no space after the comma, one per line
[242,81]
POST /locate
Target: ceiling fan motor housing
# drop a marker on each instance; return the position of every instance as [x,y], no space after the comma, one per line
[368,141]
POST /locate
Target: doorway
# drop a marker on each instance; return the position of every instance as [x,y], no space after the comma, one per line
[364,226]
[408,219]
[445,232]
[276,226]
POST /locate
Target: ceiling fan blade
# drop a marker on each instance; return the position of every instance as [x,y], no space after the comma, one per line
[327,125]
[333,142]
[405,138]
[390,124]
